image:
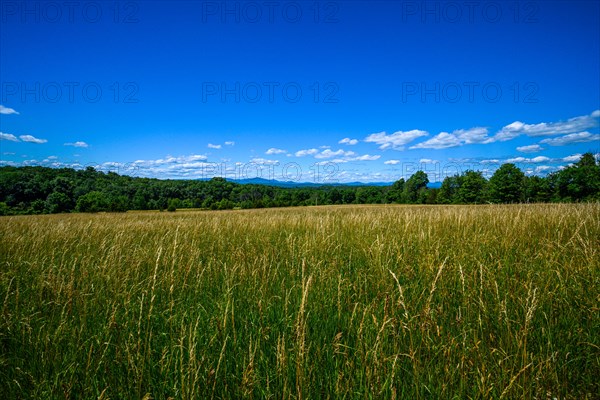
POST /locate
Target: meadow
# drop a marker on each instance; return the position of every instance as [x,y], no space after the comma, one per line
[411,302]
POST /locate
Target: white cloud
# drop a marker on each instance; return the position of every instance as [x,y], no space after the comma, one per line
[365,157]
[8,136]
[459,137]
[32,139]
[428,161]
[516,160]
[442,140]
[538,159]
[78,144]
[572,158]
[273,150]
[477,134]
[392,162]
[309,152]
[509,132]
[334,161]
[543,168]
[493,161]
[396,140]
[580,137]
[170,160]
[7,111]
[229,143]
[214,146]
[572,125]
[596,114]
[348,141]
[263,161]
[534,148]
[52,158]
[327,153]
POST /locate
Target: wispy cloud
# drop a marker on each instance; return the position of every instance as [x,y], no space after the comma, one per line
[273,150]
[544,168]
[214,146]
[534,148]
[538,159]
[348,141]
[172,160]
[396,140]
[307,152]
[7,111]
[572,158]
[580,137]
[229,143]
[474,135]
[459,137]
[481,135]
[366,157]
[264,161]
[8,136]
[328,153]
[572,125]
[32,139]
[78,144]
[490,161]
[391,162]
[442,140]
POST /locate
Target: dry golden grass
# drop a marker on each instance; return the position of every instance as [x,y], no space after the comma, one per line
[355,301]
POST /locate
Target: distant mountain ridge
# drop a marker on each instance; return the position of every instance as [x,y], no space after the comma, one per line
[292,184]
[289,184]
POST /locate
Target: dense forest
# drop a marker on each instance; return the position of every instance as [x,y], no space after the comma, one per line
[39,190]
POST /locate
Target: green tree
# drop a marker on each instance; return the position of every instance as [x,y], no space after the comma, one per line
[448,190]
[580,181]
[93,201]
[140,200]
[118,203]
[38,206]
[416,187]
[4,209]
[58,202]
[173,204]
[536,189]
[506,185]
[472,188]
[394,195]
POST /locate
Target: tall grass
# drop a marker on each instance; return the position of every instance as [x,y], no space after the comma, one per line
[355,301]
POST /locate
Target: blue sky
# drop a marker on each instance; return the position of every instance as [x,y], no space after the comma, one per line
[309,91]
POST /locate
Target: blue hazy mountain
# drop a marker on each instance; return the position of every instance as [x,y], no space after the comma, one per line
[292,184]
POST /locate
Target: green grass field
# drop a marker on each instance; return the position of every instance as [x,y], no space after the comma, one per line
[390,302]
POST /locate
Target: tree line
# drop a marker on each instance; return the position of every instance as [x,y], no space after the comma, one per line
[42,190]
